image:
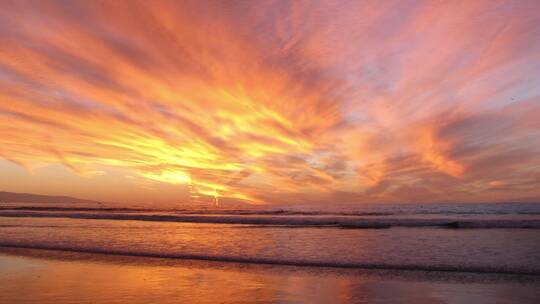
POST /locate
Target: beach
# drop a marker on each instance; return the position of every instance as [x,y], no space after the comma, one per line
[42,276]
[456,253]
[317,152]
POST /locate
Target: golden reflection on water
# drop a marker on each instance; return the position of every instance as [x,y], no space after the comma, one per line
[66,278]
[54,277]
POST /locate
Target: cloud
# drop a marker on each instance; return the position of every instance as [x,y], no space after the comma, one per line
[279,101]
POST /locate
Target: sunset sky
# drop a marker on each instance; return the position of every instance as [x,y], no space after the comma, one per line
[271,101]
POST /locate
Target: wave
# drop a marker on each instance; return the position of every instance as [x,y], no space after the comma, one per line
[303,221]
[272,261]
[196,211]
[279,212]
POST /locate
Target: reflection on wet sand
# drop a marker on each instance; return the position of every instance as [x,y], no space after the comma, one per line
[36,276]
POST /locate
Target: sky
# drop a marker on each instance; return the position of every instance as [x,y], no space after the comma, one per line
[263,102]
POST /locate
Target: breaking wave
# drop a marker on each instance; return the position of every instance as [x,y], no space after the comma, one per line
[345,222]
[277,261]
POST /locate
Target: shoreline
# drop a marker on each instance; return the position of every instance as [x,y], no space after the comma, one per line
[44,276]
[49,251]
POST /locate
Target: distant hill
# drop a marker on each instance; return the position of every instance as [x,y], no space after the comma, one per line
[10,197]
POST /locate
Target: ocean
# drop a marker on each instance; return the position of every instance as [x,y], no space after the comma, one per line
[498,241]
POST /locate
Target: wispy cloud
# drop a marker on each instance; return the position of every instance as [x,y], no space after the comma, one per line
[279,101]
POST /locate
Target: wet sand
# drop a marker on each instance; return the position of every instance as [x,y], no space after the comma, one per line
[43,276]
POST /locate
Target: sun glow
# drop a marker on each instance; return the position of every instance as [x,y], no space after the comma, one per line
[314,102]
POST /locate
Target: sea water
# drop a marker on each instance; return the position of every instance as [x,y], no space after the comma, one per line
[484,238]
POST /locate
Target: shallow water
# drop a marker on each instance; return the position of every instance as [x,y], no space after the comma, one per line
[497,244]
[51,277]
[475,250]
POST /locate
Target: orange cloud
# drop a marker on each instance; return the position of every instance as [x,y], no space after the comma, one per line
[275,101]
[433,151]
